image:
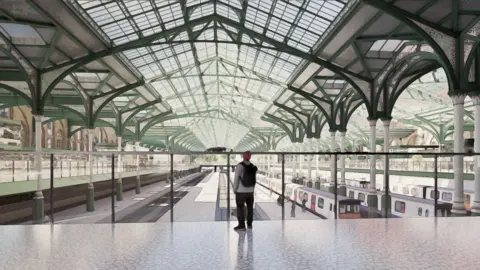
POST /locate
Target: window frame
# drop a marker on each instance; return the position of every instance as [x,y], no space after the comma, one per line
[448,196]
[318,203]
[400,203]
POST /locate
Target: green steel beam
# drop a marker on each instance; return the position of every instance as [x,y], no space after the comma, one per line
[287,49]
[398,12]
[399,36]
[51,47]
[316,101]
[12,75]
[139,43]
[295,113]
[407,17]
[112,95]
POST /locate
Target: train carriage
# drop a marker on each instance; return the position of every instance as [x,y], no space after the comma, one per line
[356,199]
[446,195]
[318,201]
[427,192]
[323,203]
[402,205]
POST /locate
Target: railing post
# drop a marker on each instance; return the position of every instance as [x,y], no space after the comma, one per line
[28,169]
[283,186]
[51,188]
[335,206]
[228,187]
[435,179]
[13,170]
[171,187]
[113,188]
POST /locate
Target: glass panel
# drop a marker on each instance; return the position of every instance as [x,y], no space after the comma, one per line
[200,194]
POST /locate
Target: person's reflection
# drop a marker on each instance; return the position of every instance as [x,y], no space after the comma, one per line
[245,262]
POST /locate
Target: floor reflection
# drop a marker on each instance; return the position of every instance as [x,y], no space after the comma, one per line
[245,260]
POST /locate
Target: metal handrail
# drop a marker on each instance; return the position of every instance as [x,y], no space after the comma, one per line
[123,153]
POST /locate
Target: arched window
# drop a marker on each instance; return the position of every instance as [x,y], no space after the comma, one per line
[24,134]
[59,140]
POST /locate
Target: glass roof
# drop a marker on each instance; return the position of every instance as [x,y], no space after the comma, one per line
[209,67]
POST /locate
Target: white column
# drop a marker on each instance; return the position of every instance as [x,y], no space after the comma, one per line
[458,145]
[79,139]
[90,188]
[386,148]
[317,146]
[476,203]
[138,184]
[268,165]
[294,165]
[38,203]
[310,141]
[120,169]
[90,156]
[119,149]
[332,161]
[300,158]
[342,158]
[38,153]
[137,147]
[373,158]
[47,137]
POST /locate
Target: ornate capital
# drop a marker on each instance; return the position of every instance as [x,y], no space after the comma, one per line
[386,122]
[343,133]
[372,122]
[332,133]
[458,99]
[475,99]
[39,118]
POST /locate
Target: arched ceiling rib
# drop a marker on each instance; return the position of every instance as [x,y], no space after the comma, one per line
[228,78]
[217,66]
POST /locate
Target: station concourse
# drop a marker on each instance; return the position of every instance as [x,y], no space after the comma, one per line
[121,123]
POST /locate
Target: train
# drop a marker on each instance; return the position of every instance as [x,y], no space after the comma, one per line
[401,205]
[318,201]
[356,201]
[420,195]
[428,192]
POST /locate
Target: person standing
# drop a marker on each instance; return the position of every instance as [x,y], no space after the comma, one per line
[244,187]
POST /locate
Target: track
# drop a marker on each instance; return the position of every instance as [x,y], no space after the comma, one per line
[154,210]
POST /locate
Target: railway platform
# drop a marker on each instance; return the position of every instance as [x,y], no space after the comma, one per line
[9,188]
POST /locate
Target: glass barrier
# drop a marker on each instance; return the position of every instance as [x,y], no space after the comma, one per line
[125,187]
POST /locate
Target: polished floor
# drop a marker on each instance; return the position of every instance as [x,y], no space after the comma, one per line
[445,243]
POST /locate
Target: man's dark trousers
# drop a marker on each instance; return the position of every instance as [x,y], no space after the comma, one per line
[242,199]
